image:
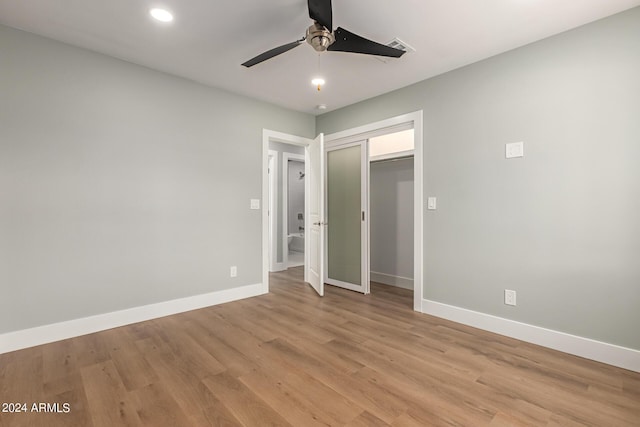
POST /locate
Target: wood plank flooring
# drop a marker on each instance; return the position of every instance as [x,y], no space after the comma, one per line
[292,358]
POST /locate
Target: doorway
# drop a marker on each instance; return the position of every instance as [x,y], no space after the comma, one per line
[410,124]
[315,223]
[369,205]
[391,164]
[391,225]
[286,169]
[293,207]
[272,223]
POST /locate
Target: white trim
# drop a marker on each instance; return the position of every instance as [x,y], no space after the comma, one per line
[391,280]
[270,135]
[611,354]
[395,124]
[366,224]
[285,202]
[418,211]
[273,211]
[307,216]
[278,266]
[17,340]
[372,130]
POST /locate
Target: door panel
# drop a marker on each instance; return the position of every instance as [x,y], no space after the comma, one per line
[315,227]
[347,232]
[343,214]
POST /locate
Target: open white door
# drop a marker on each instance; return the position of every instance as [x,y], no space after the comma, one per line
[316,223]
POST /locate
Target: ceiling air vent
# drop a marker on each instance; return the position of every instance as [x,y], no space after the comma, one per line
[396,44]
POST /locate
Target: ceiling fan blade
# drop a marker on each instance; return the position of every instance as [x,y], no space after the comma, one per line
[347,41]
[320,11]
[271,53]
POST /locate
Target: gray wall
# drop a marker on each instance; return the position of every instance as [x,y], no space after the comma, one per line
[121,186]
[281,149]
[560,226]
[391,212]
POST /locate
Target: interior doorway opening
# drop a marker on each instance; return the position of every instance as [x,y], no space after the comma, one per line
[369,205]
[286,169]
[393,148]
[293,209]
[391,225]
[391,195]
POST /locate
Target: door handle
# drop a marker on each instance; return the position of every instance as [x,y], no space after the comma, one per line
[320,223]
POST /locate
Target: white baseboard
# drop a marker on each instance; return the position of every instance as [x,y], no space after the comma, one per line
[17,340]
[278,266]
[611,354]
[388,279]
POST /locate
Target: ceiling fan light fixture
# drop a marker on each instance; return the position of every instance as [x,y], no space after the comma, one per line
[318,82]
[161,15]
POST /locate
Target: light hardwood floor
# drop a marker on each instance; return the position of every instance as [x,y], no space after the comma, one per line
[292,358]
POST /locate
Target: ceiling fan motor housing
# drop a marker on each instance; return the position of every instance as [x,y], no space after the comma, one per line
[319,37]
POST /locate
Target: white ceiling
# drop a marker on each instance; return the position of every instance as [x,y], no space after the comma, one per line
[209,39]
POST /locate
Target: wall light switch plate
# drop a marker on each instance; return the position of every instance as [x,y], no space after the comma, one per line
[233,271]
[255,204]
[431,203]
[515,149]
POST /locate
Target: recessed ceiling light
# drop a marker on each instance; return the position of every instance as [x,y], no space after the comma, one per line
[161,15]
[321,107]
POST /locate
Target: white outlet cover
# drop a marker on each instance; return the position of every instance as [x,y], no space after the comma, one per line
[509,297]
[233,271]
[514,149]
[255,204]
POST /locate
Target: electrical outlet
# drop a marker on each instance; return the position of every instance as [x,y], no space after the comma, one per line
[233,271]
[509,297]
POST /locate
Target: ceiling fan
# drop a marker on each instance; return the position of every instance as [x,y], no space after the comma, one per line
[321,36]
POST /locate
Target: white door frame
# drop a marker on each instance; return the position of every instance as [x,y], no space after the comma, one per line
[285,202]
[268,136]
[382,127]
[273,210]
